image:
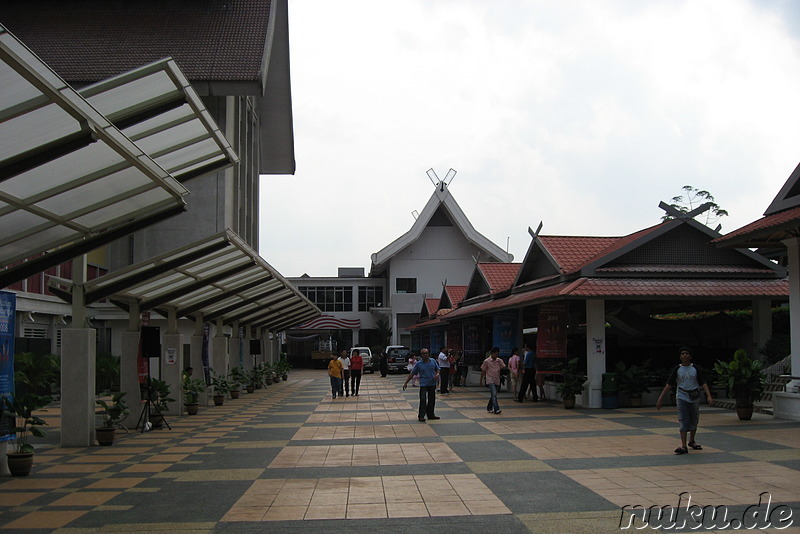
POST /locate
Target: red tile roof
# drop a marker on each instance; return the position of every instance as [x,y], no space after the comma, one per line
[432,305]
[456,294]
[767,230]
[499,276]
[633,287]
[88,41]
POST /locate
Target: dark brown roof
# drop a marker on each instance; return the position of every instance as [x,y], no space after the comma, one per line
[91,40]
[768,231]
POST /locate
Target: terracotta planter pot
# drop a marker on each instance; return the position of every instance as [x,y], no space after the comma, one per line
[745,413]
[234,393]
[569,403]
[219,400]
[192,409]
[105,436]
[285,377]
[251,389]
[20,463]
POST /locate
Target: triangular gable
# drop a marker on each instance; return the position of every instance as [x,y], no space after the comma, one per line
[491,278]
[452,296]
[441,209]
[681,246]
[788,196]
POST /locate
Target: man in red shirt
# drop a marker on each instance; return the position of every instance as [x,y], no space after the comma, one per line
[490,375]
[356,367]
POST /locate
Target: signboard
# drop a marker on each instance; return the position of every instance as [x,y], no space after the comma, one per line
[504,331]
[171,355]
[8,309]
[551,339]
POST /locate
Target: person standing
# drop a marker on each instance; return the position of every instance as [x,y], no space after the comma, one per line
[490,375]
[444,365]
[688,381]
[345,372]
[528,376]
[336,374]
[412,361]
[428,371]
[356,368]
[514,367]
[384,364]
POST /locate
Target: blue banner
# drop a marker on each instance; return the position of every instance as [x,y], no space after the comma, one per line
[504,331]
[8,309]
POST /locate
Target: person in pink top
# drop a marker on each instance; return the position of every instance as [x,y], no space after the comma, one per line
[490,375]
[514,367]
[356,368]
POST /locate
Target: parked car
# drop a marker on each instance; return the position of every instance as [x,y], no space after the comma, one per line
[397,356]
[366,355]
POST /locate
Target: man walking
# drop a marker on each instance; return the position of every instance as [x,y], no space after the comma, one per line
[528,375]
[689,381]
[490,375]
[356,367]
[336,374]
[444,365]
[428,371]
[345,359]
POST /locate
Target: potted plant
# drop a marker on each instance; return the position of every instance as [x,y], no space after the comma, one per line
[192,387]
[250,377]
[19,408]
[236,377]
[222,387]
[282,368]
[572,383]
[743,379]
[160,396]
[633,381]
[113,413]
[267,373]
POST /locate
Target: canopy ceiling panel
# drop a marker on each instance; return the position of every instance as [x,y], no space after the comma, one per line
[70,180]
[220,277]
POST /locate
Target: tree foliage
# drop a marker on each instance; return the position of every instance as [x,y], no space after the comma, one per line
[692,198]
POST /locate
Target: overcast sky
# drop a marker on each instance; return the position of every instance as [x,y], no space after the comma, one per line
[581,114]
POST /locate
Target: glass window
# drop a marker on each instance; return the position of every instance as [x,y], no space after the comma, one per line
[369,297]
[329,298]
[406,285]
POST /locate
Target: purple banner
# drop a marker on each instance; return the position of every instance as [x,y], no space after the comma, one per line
[8,309]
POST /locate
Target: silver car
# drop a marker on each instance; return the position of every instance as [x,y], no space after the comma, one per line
[366,355]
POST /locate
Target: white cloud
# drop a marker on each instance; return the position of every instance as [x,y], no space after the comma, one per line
[582,114]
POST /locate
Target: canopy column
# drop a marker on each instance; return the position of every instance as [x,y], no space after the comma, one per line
[219,349]
[198,346]
[236,346]
[129,363]
[595,352]
[78,369]
[171,362]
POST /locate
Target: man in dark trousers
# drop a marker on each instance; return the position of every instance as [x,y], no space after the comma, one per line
[428,371]
[528,375]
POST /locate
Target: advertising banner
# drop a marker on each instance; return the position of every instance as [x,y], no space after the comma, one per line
[473,342]
[551,340]
[8,309]
[437,341]
[206,364]
[504,331]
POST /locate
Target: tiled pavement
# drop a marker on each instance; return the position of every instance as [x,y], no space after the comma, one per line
[288,459]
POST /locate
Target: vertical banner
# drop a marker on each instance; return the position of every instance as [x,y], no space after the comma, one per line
[142,363]
[454,339]
[504,331]
[473,344]
[206,365]
[241,347]
[8,310]
[551,339]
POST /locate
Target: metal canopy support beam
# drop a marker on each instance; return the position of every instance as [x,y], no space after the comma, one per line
[199,284]
[268,316]
[245,302]
[197,306]
[249,316]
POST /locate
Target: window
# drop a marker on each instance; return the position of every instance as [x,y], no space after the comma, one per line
[406,285]
[369,297]
[333,298]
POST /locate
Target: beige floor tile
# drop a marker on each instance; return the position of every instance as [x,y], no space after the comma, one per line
[285,513]
[366,511]
[326,511]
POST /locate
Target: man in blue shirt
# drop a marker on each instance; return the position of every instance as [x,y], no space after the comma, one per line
[528,375]
[428,371]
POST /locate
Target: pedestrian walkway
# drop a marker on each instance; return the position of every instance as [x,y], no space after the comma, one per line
[289,459]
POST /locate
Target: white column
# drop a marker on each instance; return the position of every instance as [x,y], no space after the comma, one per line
[171,359]
[219,349]
[762,325]
[234,346]
[196,357]
[595,352]
[793,253]
[77,386]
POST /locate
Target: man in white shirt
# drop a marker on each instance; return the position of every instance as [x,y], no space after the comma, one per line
[444,375]
[345,359]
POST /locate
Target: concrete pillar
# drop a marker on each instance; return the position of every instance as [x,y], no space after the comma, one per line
[595,352]
[171,362]
[129,375]
[793,254]
[219,350]
[236,359]
[196,359]
[762,325]
[77,386]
